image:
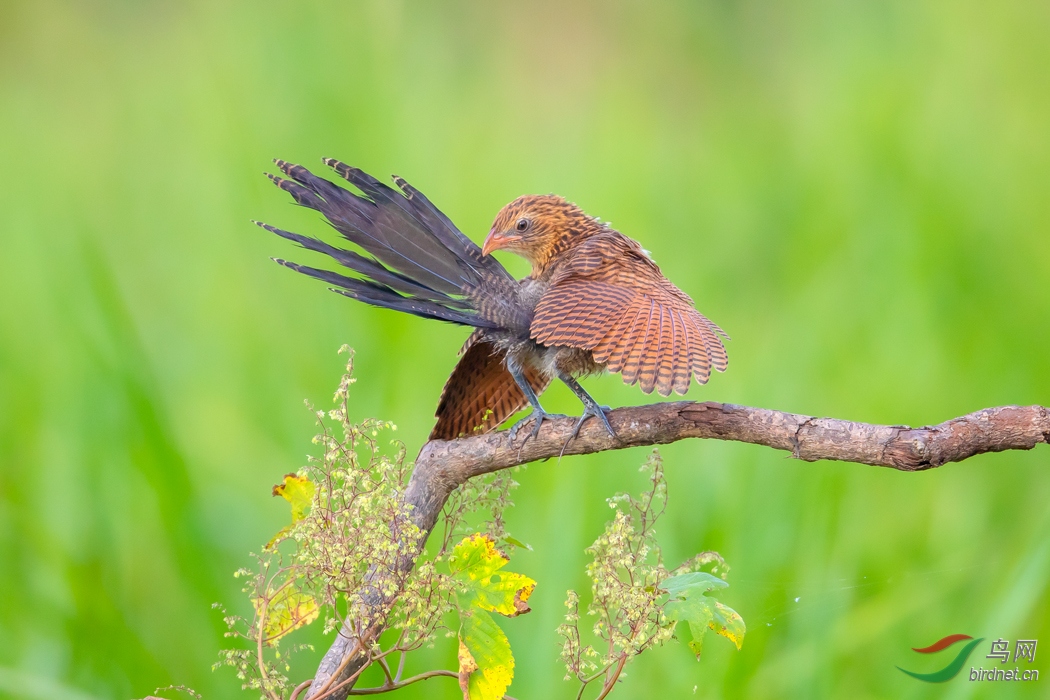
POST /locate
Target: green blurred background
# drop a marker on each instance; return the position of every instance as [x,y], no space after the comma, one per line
[859,193]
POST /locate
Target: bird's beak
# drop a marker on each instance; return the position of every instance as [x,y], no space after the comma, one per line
[496,240]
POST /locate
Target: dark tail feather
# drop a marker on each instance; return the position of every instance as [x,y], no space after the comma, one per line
[382,296]
[383,224]
[422,264]
[369,268]
[446,231]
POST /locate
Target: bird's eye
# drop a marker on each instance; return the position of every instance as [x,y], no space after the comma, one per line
[522,225]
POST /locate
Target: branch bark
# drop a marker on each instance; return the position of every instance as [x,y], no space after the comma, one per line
[442,466]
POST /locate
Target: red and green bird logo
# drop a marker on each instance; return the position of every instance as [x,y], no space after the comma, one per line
[954,666]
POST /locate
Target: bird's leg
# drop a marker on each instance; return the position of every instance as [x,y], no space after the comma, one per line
[538,415]
[590,406]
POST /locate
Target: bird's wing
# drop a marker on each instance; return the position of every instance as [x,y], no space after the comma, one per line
[610,298]
[480,394]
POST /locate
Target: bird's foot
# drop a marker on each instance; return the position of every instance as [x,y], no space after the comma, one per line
[537,417]
[588,412]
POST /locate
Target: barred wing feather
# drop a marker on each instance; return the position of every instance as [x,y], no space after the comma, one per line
[481,393]
[611,299]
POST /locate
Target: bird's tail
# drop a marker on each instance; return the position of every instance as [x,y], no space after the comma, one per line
[420,262]
[481,394]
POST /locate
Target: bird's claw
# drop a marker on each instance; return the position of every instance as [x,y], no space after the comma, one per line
[588,411]
[596,412]
[537,418]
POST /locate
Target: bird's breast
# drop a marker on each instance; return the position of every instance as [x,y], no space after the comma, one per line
[549,360]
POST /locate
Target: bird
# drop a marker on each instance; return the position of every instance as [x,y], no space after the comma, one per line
[593,302]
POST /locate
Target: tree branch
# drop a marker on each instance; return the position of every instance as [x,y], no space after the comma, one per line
[442,466]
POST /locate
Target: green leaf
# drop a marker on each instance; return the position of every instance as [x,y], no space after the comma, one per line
[514,542]
[697,613]
[486,665]
[297,490]
[697,581]
[689,603]
[287,610]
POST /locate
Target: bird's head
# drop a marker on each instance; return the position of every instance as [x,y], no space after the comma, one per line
[538,227]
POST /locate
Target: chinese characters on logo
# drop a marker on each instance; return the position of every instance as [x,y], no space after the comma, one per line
[1024,649]
[1000,650]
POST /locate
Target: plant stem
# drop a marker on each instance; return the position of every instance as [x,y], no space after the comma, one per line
[386,671]
[607,688]
[400,667]
[402,684]
[299,689]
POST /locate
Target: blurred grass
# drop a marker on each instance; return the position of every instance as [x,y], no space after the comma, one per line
[857,193]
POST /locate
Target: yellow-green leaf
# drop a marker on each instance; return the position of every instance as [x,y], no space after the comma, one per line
[297,490]
[467,666]
[476,563]
[280,535]
[486,666]
[287,610]
[689,603]
[728,623]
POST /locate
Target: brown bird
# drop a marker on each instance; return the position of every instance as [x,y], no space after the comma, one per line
[594,300]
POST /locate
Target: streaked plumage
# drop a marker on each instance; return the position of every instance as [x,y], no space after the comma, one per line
[594,300]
